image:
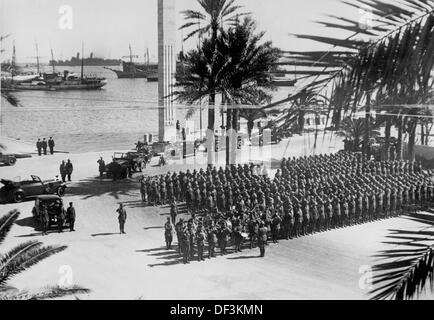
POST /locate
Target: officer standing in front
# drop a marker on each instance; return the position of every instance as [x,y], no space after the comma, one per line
[122,218]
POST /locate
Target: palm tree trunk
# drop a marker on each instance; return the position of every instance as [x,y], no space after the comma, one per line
[235,119]
[250,125]
[422,133]
[366,147]
[412,142]
[399,142]
[210,131]
[387,139]
[228,141]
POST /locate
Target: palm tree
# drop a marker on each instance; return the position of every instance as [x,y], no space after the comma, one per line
[394,64]
[216,14]
[237,66]
[21,258]
[353,131]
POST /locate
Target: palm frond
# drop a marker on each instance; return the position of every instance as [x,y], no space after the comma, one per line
[46,293]
[6,223]
[407,269]
[24,256]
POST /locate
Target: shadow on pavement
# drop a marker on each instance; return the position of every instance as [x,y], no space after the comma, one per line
[95,187]
[244,257]
[104,234]
[26,222]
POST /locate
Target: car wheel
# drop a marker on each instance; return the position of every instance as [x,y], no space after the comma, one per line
[12,161]
[19,197]
[60,191]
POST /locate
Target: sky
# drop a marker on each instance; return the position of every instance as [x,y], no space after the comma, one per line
[108,26]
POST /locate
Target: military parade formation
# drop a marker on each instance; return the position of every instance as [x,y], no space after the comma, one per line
[308,195]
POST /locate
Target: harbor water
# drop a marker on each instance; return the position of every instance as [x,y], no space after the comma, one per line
[112,118]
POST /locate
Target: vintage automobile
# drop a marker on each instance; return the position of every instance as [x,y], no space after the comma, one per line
[124,164]
[18,191]
[7,159]
[54,205]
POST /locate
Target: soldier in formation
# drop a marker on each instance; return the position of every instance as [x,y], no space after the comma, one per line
[309,194]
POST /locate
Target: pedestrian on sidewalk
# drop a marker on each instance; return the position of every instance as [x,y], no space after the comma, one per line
[51,145]
[122,218]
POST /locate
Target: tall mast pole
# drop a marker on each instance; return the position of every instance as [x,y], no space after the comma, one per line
[131,54]
[82,59]
[13,61]
[37,57]
[52,61]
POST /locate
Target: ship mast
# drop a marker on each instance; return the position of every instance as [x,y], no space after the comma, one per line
[52,61]
[13,61]
[37,56]
[82,59]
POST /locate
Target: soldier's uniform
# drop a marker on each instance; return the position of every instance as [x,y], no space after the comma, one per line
[200,243]
[275,228]
[262,238]
[212,241]
[168,234]
[185,245]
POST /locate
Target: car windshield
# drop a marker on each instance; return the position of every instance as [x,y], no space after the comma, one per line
[35,178]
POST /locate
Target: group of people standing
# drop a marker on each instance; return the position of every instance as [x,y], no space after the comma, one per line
[66,169]
[42,146]
[307,195]
[62,216]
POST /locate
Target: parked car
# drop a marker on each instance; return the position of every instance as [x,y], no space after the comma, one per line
[54,205]
[7,159]
[18,191]
[124,164]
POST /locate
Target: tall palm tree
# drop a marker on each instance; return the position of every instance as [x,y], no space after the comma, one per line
[21,258]
[214,18]
[247,81]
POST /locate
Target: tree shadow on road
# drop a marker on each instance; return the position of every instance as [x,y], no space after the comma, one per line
[244,257]
[95,187]
[104,234]
[170,257]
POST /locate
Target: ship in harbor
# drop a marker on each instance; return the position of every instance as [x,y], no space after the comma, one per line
[50,81]
[131,70]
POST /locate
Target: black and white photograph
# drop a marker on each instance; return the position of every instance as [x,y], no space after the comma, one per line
[217,150]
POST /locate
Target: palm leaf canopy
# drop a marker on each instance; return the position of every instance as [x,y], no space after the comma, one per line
[217,13]
[394,63]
